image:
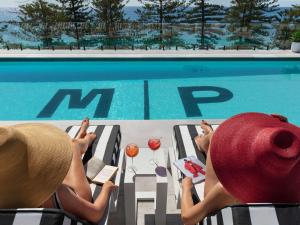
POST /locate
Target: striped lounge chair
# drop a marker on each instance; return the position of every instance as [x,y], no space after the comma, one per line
[184,145]
[250,214]
[37,216]
[106,147]
[256,214]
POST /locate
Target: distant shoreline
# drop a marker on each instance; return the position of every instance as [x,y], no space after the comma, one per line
[10,13]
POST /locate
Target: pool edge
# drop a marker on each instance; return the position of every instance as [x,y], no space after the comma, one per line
[148,55]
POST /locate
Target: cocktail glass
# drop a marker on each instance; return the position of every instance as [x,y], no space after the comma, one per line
[154,145]
[132,150]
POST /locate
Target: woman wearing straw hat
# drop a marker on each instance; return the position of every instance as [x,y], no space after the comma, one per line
[40,166]
[251,158]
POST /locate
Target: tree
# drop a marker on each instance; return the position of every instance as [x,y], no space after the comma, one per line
[289,22]
[209,16]
[250,21]
[160,12]
[39,18]
[77,12]
[109,12]
[294,14]
[2,29]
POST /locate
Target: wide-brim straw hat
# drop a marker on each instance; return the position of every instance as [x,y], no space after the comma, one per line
[256,157]
[34,160]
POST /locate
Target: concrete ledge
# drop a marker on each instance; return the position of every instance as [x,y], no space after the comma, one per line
[123,54]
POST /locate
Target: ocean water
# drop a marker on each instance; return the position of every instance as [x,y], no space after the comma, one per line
[35,90]
[11,14]
[8,14]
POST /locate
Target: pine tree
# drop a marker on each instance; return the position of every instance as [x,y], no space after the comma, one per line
[77,12]
[160,12]
[288,24]
[2,29]
[109,12]
[39,18]
[209,16]
[294,14]
[250,21]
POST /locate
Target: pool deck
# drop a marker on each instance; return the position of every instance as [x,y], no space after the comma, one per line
[123,54]
[138,131]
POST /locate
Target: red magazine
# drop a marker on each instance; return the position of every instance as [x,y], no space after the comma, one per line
[191,167]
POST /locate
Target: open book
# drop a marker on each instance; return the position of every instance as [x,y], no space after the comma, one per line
[191,167]
[98,173]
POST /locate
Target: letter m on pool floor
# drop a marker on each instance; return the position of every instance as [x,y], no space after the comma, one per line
[79,102]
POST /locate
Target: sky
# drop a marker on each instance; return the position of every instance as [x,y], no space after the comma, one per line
[14,3]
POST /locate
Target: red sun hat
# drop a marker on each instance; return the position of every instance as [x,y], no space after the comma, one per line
[256,157]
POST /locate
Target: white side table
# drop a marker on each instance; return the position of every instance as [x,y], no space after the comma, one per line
[145,168]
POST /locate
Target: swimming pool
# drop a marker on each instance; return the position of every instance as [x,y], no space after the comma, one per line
[147,89]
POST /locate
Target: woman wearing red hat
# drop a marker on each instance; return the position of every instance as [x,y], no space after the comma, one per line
[251,158]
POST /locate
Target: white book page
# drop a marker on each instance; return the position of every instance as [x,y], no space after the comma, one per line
[94,166]
[105,174]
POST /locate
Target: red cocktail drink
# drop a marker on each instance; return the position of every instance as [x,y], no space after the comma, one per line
[154,144]
[132,150]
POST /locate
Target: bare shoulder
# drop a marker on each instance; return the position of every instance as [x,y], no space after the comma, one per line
[230,200]
[71,202]
[78,206]
[64,189]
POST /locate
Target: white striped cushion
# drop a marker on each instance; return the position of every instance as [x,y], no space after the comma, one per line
[33,218]
[106,147]
[256,214]
[37,217]
[186,146]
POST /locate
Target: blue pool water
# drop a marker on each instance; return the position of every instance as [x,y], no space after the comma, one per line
[155,89]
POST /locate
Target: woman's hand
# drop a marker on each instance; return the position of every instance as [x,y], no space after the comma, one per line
[187,183]
[110,186]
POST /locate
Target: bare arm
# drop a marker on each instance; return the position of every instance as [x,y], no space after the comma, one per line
[82,208]
[216,198]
